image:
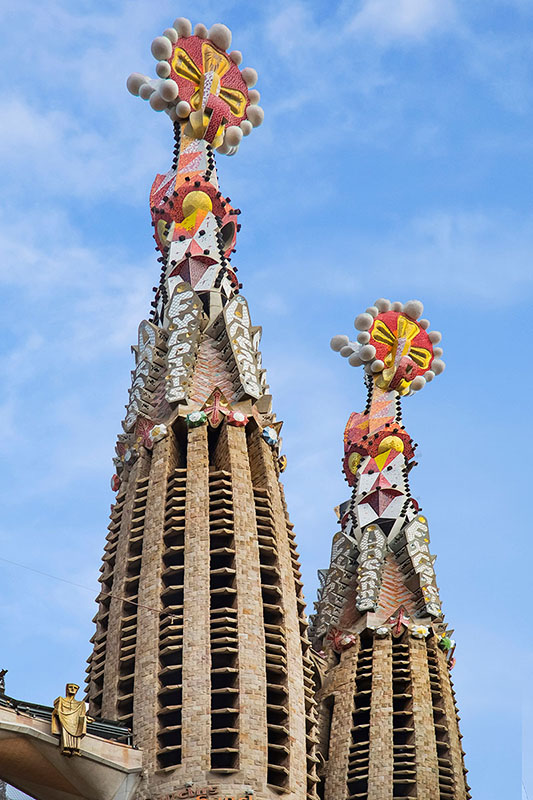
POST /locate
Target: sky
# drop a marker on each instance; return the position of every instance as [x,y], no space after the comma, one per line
[395,160]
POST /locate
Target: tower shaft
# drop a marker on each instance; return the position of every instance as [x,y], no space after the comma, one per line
[201,642]
[202,648]
[388,707]
[388,724]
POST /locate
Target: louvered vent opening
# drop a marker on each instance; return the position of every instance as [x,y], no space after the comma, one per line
[358,756]
[325,717]
[128,624]
[96,661]
[170,699]
[276,646]
[446,778]
[465,771]
[404,770]
[223,627]
[309,686]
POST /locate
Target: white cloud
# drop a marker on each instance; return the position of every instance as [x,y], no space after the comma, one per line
[471,257]
[50,263]
[70,156]
[292,26]
[81,306]
[72,139]
[390,20]
[274,303]
[503,62]
[483,256]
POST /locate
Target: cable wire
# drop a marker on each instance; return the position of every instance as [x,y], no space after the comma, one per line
[87,588]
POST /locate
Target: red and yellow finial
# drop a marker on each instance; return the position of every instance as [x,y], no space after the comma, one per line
[201,85]
[395,346]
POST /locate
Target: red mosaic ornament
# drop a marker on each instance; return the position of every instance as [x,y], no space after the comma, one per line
[238,419]
[208,78]
[216,408]
[400,620]
[395,332]
[143,431]
[168,201]
[340,640]
[202,86]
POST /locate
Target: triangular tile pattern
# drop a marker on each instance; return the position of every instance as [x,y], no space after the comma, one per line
[393,592]
[192,156]
[192,269]
[383,410]
[349,614]
[211,371]
[380,500]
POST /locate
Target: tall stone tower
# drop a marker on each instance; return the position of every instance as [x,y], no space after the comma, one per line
[388,724]
[201,638]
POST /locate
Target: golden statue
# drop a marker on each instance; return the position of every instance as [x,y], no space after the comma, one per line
[69,718]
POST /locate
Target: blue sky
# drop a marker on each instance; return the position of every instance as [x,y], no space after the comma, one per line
[395,160]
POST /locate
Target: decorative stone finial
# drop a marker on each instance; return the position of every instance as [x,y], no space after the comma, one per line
[202,85]
[394,346]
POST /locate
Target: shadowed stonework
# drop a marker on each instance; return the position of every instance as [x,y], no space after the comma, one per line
[388,727]
[201,638]
[201,657]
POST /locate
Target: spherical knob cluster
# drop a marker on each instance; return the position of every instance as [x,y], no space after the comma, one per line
[410,348]
[191,87]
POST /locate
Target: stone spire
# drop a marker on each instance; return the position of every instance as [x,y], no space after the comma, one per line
[207,335]
[200,642]
[389,726]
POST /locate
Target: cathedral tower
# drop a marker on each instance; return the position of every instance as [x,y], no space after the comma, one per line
[388,724]
[201,638]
